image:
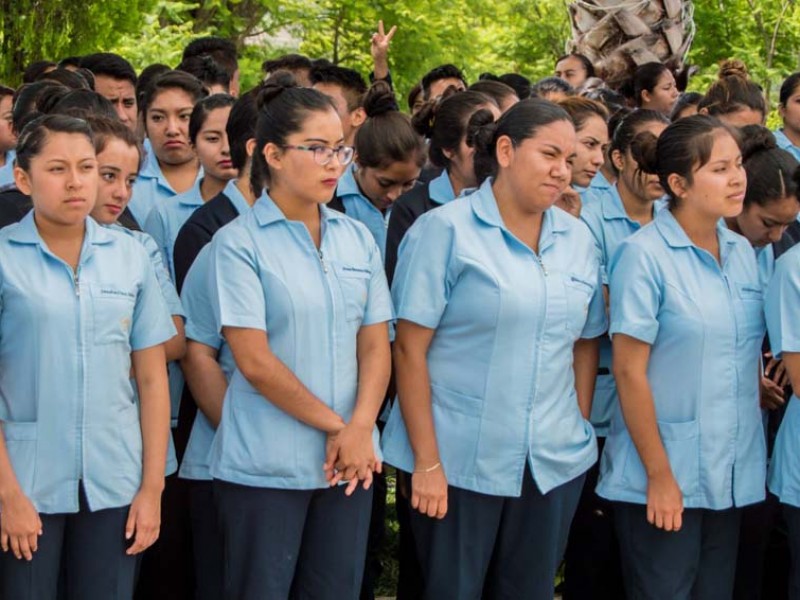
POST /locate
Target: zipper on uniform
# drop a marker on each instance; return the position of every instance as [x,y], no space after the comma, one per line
[541,264]
[322,260]
[76,280]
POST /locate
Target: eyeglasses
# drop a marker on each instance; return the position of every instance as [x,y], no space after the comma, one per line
[324,154]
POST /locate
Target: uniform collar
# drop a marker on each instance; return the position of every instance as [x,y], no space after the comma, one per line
[611,204]
[236,197]
[26,232]
[599,182]
[267,212]
[152,170]
[192,196]
[484,205]
[440,189]
[676,237]
[347,183]
[782,140]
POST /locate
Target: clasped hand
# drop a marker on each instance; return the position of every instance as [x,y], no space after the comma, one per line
[350,457]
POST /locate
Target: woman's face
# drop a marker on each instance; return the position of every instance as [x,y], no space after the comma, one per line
[644,186]
[764,225]
[212,146]
[663,96]
[571,70]
[118,167]
[742,117]
[790,112]
[167,126]
[62,179]
[8,138]
[718,187]
[590,151]
[296,171]
[539,168]
[384,185]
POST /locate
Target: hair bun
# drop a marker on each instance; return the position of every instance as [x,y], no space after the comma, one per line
[755,139]
[733,67]
[481,128]
[274,86]
[425,118]
[379,100]
[644,148]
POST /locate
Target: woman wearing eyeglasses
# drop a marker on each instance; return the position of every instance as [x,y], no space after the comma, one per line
[302,301]
[389,157]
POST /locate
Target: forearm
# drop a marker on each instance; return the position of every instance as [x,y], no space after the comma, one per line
[9,484]
[206,380]
[151,379]
[175,347]
[586,359]
[414,394]
[374,371]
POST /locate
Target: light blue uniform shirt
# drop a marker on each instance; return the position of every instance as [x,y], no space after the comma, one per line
[610,225]
[166,219]
[500,361]
[597,188]
[201,327]
[175,308]
[786,144]
[7,171]
[359,207]
[151,189]
[705,325]
[67,405]
[441,190]
[783,318]
[267,274]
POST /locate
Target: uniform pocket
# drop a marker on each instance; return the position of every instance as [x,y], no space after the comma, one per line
[457,420]
[112,314]
[354,286]
[21,445]
[749,300]
[579,295]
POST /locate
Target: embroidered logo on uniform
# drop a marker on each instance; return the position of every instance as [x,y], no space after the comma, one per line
[356,270]
[120,293]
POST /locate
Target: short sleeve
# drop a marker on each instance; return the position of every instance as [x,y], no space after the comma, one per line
[379,300]
[152,324]
[635,293]
[154,226]
[594,222]
[162,275]
[596,318]
[237,293]
[423,278]
[200,321]
[782,305]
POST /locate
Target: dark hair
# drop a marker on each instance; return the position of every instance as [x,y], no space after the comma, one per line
[287,62]
[496,90]
[34,135]
[519,83]
[71,79]
[733,91]
[581,109]
[149,73]
[552,84]
[172,80]
[629,126]
[587,64]
[282,108]
[106,64]
[413,94]
[387,135]
[104,129]
[685,100]
[645,79]
[82,104]
[6,91]
[87,75]
[69,61]
[788,87]
[351,82]
[203,108]
[33,70]
[613,101]
[447,71]
[241,127]
[222,51]
[520,122]
[207,70]
[682,148]
[770,170]
[445,122]
[26,101]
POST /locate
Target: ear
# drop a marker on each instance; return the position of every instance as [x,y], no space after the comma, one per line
[646,96]
[617,160]
[274,156]
[782,111]
[250,147]
[357,117]
[23,181]
[678,185]
[449,154]
[504,151]
[703,111]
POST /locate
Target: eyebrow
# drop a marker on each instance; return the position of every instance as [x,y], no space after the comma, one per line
[217,131]
[111,168]
[322,141]
[554,147]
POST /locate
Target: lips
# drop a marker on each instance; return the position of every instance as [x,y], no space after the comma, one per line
[173,145]
[330,182]
[225,164]
[113,209]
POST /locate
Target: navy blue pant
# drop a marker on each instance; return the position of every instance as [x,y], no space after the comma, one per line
[87,548]
[496,547]
[206,542]
[698,562]
[298,544]
[792,516]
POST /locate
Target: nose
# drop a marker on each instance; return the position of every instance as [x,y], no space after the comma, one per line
[394,193]
[75,180]
[173,127]
[561,170]
[122,114]
[774,234]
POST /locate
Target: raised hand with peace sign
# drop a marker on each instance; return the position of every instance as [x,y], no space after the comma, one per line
[379,49]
